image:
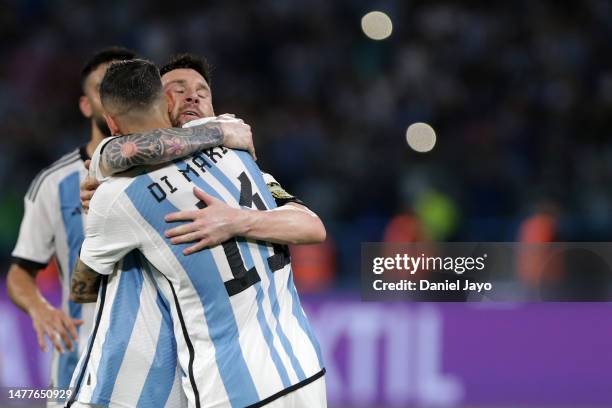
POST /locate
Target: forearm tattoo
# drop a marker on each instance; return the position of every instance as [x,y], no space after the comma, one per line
[85,284]
[159,146]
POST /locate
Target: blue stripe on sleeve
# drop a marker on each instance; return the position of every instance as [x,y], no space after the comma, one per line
[70,206]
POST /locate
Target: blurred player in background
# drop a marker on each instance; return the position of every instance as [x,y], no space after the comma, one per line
[53,225]
[289,355]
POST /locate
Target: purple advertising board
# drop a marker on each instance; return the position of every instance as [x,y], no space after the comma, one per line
[435,354]
[425,354]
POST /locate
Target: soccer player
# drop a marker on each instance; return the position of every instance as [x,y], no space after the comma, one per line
[113,381]
[138,322]
[235,310]
[192,74]
[53,225]
[186,80]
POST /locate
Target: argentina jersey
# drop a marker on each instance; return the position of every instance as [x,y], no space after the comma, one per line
[131,356]
[242,336]
[52,224]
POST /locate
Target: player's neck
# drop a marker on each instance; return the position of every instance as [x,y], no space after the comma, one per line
[156,122]
[156,118]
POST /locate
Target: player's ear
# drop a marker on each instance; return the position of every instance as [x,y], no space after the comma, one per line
[171,101]
[112,125]
[85,106]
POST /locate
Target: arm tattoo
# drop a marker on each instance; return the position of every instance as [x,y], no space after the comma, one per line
[158,146]
[85,284]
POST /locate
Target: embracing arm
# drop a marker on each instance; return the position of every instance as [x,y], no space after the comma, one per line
[289,224]
[158,146]
[164,145]
[85,284]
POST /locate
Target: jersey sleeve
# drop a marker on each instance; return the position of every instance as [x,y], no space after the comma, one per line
[36,241]
[198,122]
[108,238]
[280,195]
[94,167]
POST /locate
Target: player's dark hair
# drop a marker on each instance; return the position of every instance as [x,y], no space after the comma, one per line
[187,61]
[132,85]
[103,56]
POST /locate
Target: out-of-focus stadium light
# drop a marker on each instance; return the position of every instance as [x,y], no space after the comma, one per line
[376,25]
[421,137]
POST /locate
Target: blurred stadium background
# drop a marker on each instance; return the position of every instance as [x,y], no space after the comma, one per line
[519,95]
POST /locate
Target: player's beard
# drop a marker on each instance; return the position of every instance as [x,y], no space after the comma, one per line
[174,120]
[102,126]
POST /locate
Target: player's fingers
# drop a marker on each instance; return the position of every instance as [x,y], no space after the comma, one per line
[85,203]
[181,230]
[78,322]
[69,325]
[40,336]
[181,216]
[55,339]
[89,183]
[183,239]
[86,194]
[197,247]
[207,198]
[62,334]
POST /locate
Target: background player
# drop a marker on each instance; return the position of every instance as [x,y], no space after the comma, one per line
[53,225]
[238,302]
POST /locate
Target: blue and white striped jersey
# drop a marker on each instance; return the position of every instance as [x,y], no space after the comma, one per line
[131,357]
[53,225]
[242,336]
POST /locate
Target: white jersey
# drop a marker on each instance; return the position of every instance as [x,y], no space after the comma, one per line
[131,355]
[53,225]
[242,336]
[134,363]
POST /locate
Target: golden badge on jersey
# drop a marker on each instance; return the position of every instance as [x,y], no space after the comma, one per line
[278,192]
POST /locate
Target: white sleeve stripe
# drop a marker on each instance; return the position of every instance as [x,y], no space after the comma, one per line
[51,167]
[34,192]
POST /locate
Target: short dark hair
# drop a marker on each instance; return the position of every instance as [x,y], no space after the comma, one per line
[130,85]
[103,56]
[187,61]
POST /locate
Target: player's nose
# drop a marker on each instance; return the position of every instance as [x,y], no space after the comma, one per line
[193,98]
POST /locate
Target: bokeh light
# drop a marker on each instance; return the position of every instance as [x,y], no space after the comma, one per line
[376,25]
[421,137]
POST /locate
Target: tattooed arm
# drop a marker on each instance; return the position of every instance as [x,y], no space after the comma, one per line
[85,284]
[164,145]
